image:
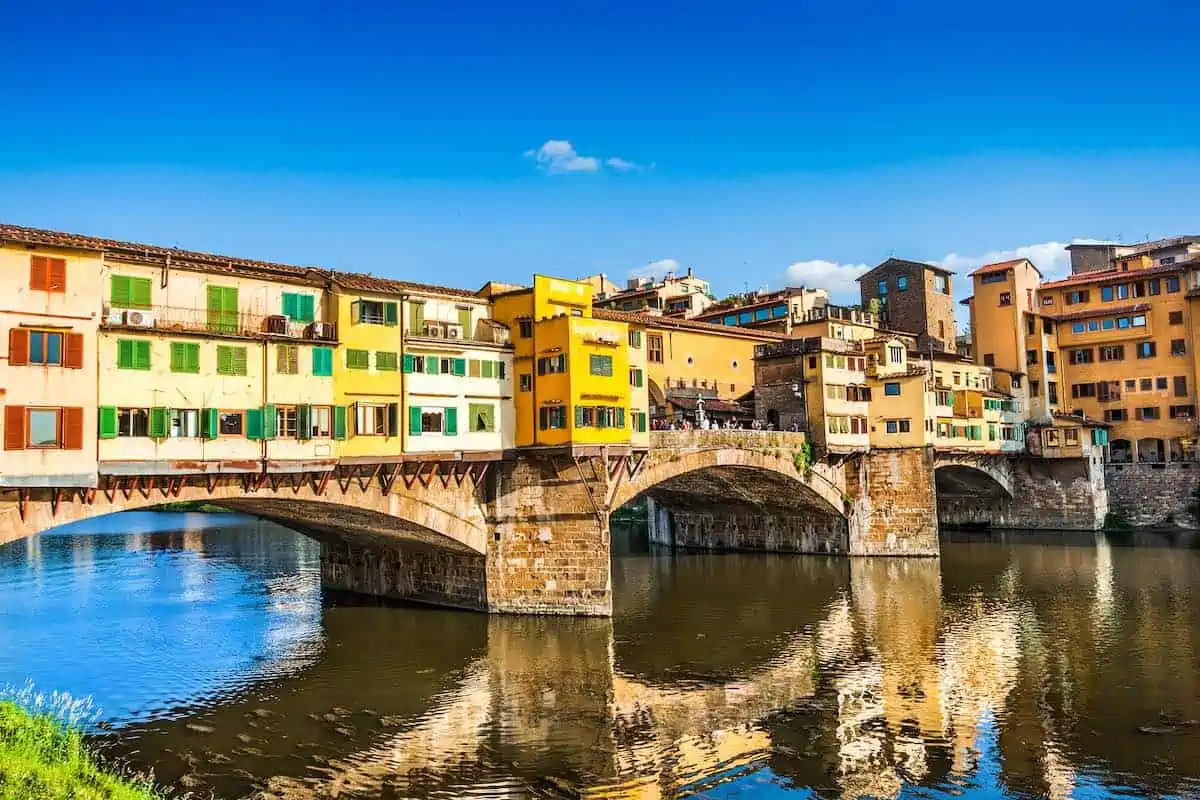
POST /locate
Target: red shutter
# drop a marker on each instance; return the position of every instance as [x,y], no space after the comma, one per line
[18,347]
[14,427]
[72,428]
[39,276]
[56,275]
[74,358]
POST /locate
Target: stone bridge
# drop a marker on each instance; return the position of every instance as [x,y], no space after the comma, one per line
[528,532]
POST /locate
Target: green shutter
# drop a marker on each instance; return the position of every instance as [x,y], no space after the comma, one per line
[254,423]
[464,321]
[290,304]
[489,369]
[124,354]
[385,361]
[304,422]
[459,367]
[431,365]
[339,423]
[389,314]
[414,420]
[356,311]
[139,292]
[416,318]
[222,308]
[578,416]
[121,293]
[451,417]
[621,418]
[185,357]
[308,308]
[141,355]
[208,423]
[408,363]
[322,358]
[158,422]
[108,422]
[270,422]
[393,419]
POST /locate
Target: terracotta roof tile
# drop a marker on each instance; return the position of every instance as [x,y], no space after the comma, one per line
[1111,311]
[1116,275]
[1001,266]
[371,283]
[652,321]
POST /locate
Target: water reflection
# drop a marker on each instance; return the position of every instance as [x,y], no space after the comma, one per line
[1062,668]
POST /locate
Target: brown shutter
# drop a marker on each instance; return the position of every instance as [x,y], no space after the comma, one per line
[56,275]
[18,347]
[14,427]
[74,358]
[72,428]
[39,276]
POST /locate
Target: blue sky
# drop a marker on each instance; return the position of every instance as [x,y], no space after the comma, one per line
[757,143]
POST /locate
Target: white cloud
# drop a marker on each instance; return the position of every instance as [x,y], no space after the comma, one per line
[559,157]
[1051,258]
[655,269]
[837,278]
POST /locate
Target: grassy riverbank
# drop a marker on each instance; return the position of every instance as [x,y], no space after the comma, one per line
[43,758]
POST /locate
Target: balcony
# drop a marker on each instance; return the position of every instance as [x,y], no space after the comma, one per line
[486,331]
[839,313]
[217,323]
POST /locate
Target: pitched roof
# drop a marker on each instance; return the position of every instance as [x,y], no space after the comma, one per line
[1135,308]
[1002,266]
[1114,275]
[903,262]
[370,283]
[1159,244]
[653,321]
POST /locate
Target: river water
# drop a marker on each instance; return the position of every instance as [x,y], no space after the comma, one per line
[1032,666]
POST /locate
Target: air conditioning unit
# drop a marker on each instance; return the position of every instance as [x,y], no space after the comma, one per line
[433,331]
[321,331]
[116,316]
[454,332]
[139,319]
[277,324]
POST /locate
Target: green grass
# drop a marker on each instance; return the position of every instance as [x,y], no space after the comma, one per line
[43,754]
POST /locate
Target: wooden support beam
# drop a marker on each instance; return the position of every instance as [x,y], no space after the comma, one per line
[587,488]
[323,483]
[22,502]
[55,498]
[408,477]
[427,479]
[364,482]
[634,464]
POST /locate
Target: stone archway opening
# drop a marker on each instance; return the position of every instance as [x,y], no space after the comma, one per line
[968,496]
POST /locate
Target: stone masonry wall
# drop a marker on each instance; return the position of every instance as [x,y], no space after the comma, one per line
[893,513]
[549,549]
[1154,494]
[438,576]
[1059,494]
[773,533]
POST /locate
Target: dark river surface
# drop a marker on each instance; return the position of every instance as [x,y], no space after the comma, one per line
[1032,666]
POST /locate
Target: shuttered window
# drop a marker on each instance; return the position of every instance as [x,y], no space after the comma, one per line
[358,359]
[385,361]
[416,318]
[47,274]
[601,365]
[185,357]
[231,360]
[222,305]
[299,307]
[322,361]
[128,292]
[287,359]
[133,354]
[481,417]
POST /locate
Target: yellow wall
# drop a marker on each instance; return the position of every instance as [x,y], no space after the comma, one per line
[700,358]
[605,339]
[370,385]
[76,310]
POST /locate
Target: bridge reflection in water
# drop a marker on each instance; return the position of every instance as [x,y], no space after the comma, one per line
[1002,667]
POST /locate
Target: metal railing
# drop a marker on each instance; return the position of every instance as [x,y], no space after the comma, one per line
[218,323]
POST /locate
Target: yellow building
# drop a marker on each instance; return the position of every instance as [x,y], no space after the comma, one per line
[573,376]
[51,285]
[901,408]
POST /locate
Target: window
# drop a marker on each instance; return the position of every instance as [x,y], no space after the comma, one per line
[320,421]
[1146,349]
[287,359]
[994,277]
[184,423]
[1051,366]
[941,284]
[358,359]
[1078,327]
[891,389]
[1071,437]
[1173,284]
[1146,384]
[1079,390]
[552,365]
[600,365]
[1006,298]
[1048,300]
[1175,318]
[231,423]
[185,357]
[779,311]
[1180,383]
[286,422]
[322,362]
[898,426]
[1138,321]
[1115,352]
[1122,291]
[376,312]
[133,422]
[635,339]
[745,316]
[526,382]
[1074,298]
[1107,293]
[47,274]
[896,354]
[902,283]
[1115,415]
[1083,356]
[222,305]
[525,328]
[1123,323]
[127,292]
[1181,412]
[371,419]
[133,354]
[231,360]
[883,288]
[730,319]
[762,314]
[1031,357]
[385,361]
[46,348]
[43,428]
[1165,260]
[481,417]
[1154,286]
[989,359]
[1178,347]
[1052,392]
[552,417]
[635,377]
[1048,326]
[1147,412]
[299,307]
[654,345]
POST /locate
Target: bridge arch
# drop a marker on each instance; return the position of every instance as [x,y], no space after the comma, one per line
[964,476]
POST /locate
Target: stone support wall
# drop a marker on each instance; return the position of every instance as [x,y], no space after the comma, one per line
[438,576]
[1154,494]
[893,510]
[1056,494]
[757,531]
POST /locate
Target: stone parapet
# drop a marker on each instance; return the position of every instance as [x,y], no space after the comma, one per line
[1155,494]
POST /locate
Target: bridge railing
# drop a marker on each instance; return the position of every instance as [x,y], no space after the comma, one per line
[726,438]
